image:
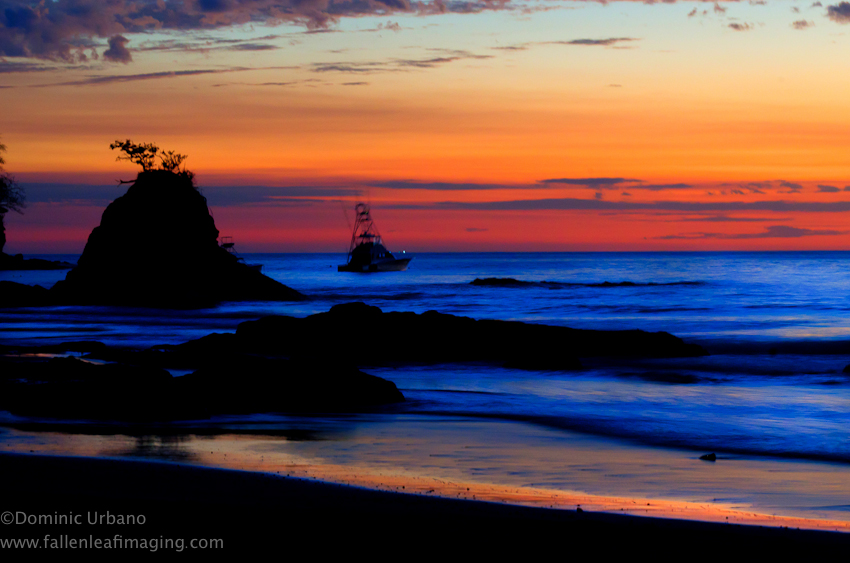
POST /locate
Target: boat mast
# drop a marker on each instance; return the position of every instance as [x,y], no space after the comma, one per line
[364,228]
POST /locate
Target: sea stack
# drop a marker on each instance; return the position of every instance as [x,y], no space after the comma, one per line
[157,246]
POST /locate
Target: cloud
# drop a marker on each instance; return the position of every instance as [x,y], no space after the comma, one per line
[8,67]
[718,9]
[839,13]
[439,186]
[775,231]
[610,183]
[577,204]
[61,29]
[603,42]
[740,26]
[827,189]
[118,52]
[355,83]
[395,65]
[476,230]
[802,24]
[99,195]
[793,188]
[117,78]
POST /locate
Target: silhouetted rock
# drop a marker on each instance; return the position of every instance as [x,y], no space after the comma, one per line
[74,388]
[846,369]
[17,262]
[157,246]
[266,385]
[708,457]
[365,336]
[14,294]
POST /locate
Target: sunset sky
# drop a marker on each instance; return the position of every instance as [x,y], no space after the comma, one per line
[482,125]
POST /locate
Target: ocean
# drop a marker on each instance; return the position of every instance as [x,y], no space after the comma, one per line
[771,391]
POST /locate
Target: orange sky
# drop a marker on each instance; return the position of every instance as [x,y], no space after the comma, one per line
[739,110]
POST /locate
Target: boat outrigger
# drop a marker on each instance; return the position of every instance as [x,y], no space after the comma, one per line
[367,252]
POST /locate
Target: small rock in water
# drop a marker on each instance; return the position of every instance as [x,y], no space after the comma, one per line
[708,457]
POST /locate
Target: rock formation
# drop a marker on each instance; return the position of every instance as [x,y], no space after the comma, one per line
[157,245]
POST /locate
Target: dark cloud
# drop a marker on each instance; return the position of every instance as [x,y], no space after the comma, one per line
[438,186]
[661,187]
[740,26]
[395,65]
[99,195]
[476,230]
[60,29]
[112,79]
[839,13]
[207,44]
[118,52]
[590,182]
[718,9]
[8,67]
[802,24]
[603,42]
[793,188]
[355,83]
[570,204]
[775,231]
[253,47]
[828,189]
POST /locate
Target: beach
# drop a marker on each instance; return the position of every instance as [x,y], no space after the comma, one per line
[246,512]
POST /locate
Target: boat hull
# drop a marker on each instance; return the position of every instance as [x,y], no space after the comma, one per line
[382,266]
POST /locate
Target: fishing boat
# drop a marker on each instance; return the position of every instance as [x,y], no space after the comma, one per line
[367,252]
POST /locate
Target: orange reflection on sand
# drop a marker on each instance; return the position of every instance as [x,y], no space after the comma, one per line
[541,498]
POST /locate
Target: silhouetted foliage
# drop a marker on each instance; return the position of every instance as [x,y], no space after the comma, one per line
[11,197]
[146,154]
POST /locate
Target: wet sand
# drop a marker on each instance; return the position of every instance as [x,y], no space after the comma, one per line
[253,512]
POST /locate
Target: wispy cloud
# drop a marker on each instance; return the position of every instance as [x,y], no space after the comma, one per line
[775,231]
[607,42]
[101,80]
[740,26]
[567,204]
[396,65]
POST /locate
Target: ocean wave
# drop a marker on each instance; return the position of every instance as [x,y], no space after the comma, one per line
[513,282]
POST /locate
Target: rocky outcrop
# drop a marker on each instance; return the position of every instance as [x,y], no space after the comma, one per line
[73,388]
[366,336]
[18,262]
[13,294]
[157,246]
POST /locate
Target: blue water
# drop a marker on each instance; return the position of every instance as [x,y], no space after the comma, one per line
[776,325]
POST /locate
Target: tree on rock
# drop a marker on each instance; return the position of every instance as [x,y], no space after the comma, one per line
[146,155]
[11,197]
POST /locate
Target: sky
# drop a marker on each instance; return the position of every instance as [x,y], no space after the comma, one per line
[500,125]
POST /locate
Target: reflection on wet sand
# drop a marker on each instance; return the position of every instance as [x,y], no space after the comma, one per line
[456,457]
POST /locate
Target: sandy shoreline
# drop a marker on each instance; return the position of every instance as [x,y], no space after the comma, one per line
[252,510]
